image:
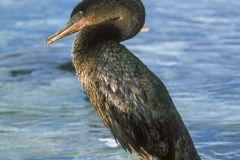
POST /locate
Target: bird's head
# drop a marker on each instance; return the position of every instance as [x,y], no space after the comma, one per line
[124,18]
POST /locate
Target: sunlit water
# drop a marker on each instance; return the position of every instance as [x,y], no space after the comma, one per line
[193,46]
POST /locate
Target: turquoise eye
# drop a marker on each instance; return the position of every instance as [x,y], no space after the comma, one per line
[80,13]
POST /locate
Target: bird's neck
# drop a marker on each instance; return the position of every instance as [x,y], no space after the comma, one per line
[90,43]
[91,36]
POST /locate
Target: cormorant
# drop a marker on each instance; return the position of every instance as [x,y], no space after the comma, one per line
[131,101]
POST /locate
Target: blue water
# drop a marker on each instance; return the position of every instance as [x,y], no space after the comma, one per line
[193,46]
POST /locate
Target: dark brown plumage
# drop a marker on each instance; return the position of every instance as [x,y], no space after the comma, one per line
[131,101]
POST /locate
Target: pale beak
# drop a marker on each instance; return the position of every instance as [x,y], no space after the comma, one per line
[75,24]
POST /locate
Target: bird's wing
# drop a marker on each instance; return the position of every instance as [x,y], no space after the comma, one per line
[125,103]
[127,116]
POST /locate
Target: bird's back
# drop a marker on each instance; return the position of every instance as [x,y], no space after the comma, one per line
[134,104]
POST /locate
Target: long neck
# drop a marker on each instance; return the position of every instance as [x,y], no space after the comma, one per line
[88,44]
[91,36]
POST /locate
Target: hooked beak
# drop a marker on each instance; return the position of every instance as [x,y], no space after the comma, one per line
[75,24]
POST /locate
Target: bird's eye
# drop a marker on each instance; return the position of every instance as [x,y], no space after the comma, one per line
[80,13]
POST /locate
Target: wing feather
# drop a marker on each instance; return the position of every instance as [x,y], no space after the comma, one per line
[125,101]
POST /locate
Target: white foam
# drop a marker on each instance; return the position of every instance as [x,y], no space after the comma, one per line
[109,142]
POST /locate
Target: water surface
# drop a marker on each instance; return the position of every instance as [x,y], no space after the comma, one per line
[193,46]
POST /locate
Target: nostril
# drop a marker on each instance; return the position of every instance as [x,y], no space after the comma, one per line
[114,19]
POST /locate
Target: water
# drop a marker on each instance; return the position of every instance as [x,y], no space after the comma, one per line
[193,46]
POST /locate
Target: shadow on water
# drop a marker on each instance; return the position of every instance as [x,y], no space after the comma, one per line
[67,67]
[15,73]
